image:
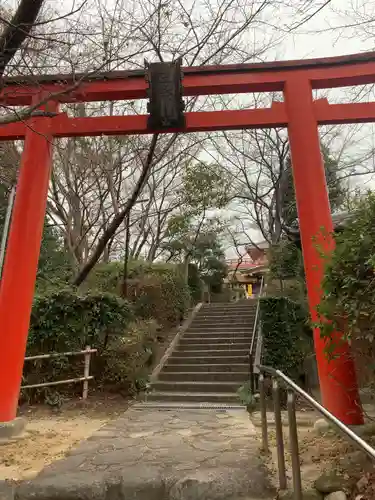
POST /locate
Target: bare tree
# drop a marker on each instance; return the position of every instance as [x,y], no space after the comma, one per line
[257,161]
[23,42]
[260,165]
[96,182]
[17,29]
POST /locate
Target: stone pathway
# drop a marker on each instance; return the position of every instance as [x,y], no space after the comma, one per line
[156,455]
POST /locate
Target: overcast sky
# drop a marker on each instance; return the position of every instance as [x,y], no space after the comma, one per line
[327,34]
[316,39]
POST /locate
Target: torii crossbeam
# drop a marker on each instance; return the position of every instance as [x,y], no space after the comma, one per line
[299,113]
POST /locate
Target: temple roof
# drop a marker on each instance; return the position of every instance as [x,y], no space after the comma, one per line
[339,219]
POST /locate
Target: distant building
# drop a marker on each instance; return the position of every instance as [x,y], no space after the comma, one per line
[247,271]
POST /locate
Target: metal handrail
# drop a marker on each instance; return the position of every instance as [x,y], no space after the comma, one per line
[294,389]
[251,350]
[256,316]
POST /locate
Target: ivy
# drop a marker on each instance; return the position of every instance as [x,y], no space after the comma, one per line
[285,334]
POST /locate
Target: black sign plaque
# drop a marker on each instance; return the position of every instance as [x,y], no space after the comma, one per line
[166,106]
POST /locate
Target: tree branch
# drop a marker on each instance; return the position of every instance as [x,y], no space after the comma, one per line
[18,30]
[119,218]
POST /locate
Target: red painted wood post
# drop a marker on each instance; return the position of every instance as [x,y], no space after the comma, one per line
[21,261]
[337,377]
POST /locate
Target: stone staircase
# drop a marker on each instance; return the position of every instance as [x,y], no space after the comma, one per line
[211,359]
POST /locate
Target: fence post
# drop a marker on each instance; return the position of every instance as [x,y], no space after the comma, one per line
[86,372]
[263,413]
[279,434]
[294,451]
[251,374]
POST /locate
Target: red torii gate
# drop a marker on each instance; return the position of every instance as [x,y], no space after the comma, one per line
[299,113]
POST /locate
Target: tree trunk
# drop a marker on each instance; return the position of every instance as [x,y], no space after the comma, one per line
[119,218]
[17,30]
[126,259]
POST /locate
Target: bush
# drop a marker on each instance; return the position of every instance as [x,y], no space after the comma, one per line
[285,261]
[54,269]
[157,290]
[347,309]
[164,297]
[108,277]
[225,295]
[67,320]
[286,276]
[195,284]
[285,334]
[64,321]
[125,364]
[349,287]
[105,277]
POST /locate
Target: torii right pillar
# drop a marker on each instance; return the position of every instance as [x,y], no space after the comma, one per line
[337,377]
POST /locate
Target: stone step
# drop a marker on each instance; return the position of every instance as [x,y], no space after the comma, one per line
[215,334]
[245,311]
[222,322]
[219,327]
[205,368]
[225,346]
[205,397]
[244,308]
[211,353]
[240,377]
[242,312]
[231,314]
[230,305]
[191,405]
[219,320]
[218,358]
[239,318]
[191,386]
[187,341]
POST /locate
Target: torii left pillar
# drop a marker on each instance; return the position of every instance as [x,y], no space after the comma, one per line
[21,261]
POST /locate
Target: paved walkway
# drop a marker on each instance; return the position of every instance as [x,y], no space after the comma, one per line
[160,455]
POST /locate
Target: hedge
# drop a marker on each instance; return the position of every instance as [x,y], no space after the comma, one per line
[156,290]
[108,277]
[65,320]
[125,364]
[124,332]
[286,335]
[348,301]
[196,285]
